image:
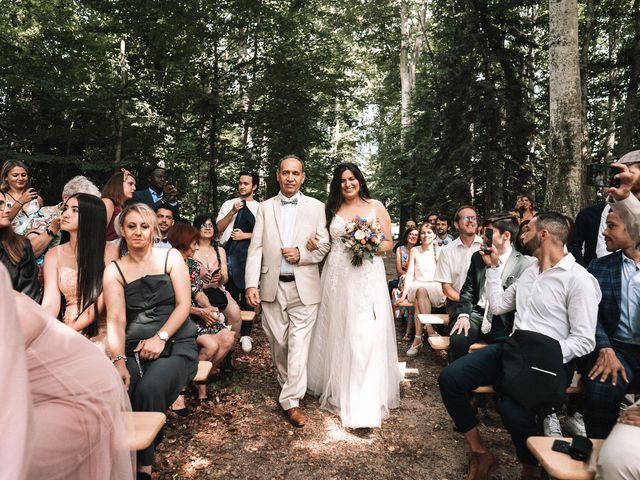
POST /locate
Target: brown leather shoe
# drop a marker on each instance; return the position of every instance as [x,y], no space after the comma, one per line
[481,465]
[295,417]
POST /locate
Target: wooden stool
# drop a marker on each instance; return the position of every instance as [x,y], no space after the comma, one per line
[434,318]
[439,343]
[247,315]
[145,425]
[204,368]
[560,465]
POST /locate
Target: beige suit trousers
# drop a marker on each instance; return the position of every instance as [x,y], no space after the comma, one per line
[288,325]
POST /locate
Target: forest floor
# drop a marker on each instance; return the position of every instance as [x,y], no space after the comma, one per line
[241,433]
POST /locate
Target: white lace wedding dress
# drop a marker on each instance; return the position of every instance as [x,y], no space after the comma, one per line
[353,360]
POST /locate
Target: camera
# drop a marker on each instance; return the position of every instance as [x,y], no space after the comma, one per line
[600,175]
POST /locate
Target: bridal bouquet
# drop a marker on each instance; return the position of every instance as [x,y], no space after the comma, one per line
[363,237]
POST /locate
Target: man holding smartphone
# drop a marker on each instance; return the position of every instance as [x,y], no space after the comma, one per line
[474,321]
[235,222]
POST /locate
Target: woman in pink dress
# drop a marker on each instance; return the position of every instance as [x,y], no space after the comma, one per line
[74,269]
[74,401]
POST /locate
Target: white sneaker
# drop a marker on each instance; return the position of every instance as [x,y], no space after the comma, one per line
[552,426]
[575,425]
[245,343]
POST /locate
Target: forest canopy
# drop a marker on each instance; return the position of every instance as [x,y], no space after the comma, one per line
[442,102]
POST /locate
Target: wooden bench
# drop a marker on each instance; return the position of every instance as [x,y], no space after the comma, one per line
[442,343]
[247,315]
[433,318]
[560,465]
[576,387]
[143,427]
[204,368]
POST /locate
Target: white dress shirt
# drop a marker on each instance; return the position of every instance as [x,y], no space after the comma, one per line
[289,214]
[561,302]
[226,208]
[454,262]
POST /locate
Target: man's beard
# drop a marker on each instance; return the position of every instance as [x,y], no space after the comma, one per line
[531,246]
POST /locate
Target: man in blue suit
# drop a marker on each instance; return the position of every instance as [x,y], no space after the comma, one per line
[615,362]
[159,191]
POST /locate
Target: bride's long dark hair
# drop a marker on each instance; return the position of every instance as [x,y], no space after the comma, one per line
[335,200]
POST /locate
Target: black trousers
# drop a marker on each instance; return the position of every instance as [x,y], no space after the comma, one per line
[158,387]
[460,343]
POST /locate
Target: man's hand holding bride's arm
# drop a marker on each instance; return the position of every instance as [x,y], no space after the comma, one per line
[385,221]
[321,241]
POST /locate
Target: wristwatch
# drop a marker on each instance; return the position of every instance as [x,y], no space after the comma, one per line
[164,336]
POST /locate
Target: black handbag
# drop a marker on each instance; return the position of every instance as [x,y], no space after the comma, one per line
[533,372]
[217,297]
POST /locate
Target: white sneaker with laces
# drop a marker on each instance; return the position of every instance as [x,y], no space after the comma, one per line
[552,426]
[575,425]
[246,344]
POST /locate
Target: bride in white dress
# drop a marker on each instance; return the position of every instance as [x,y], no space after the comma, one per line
[353,360]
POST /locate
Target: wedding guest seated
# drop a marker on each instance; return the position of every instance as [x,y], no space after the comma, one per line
[213,265]
[116,192]
[17,256]
[615,363]
[419,285]
[555,297]
[164,213]
[66,417]
[408,224]
[456,257]
[409,240]
[212,337]
[43,231]
[432,219]
[150,336]
[619,457]
[443,234]
[74,269]
[474,321]
[21,199]
[587,237]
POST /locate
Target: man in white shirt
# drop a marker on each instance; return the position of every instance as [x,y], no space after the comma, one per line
[556,297]
[164,213]
[235,222]
[456,256]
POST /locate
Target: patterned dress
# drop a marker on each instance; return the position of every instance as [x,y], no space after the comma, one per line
[196,286]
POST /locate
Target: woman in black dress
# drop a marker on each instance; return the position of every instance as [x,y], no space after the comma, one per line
[150,337]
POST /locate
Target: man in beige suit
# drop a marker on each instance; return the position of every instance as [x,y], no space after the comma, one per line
[289,278]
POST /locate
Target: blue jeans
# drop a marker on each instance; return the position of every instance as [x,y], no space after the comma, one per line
[484,367]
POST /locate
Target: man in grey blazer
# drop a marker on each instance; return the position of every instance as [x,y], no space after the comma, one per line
[283,276]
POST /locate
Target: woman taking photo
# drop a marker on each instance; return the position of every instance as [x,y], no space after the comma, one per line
[213,267]
[16,254]
[119,188]
[149,334]
[75,269]
[419,286]
[21,200]
[213,338]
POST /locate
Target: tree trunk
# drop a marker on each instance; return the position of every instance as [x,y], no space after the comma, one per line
[120,113]
[630,116]
[564,165]
[588,194]
[612,102]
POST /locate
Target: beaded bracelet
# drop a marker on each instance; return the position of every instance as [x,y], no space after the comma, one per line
[118,357]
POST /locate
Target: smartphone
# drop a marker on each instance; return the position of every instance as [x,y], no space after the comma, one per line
[600,175]
[487,240]
[561,446]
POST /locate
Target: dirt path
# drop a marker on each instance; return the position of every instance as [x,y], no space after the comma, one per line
[240,432]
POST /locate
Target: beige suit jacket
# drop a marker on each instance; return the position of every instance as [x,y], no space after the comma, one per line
[264,256]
